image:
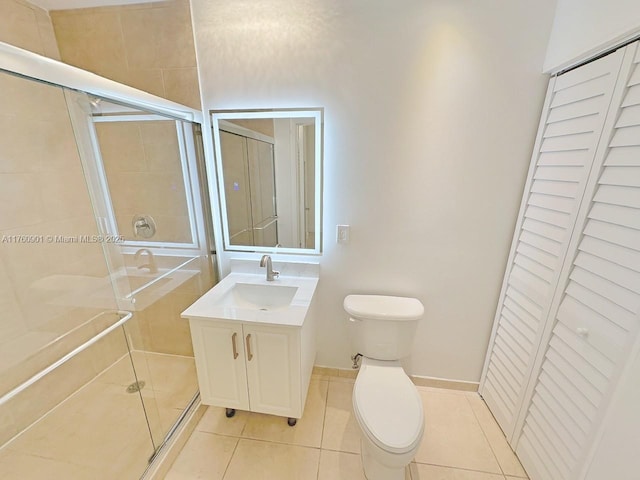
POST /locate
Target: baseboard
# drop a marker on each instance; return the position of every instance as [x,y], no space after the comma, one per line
[420,381]
[170,451]
[435,382]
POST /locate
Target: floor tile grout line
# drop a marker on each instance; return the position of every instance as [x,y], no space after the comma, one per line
[324,417]
[461,468]
[491,446]
[324,413]
[339,451]
[484,434]
[276,443]
[226,468]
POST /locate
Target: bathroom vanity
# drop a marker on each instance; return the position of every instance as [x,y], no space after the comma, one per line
[254,340]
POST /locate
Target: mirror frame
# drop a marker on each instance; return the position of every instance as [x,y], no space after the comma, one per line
[187,151]
[315,112]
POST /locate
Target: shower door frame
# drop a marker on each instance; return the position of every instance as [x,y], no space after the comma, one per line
[203,211]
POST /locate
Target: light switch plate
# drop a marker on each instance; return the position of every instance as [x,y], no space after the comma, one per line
[343,232]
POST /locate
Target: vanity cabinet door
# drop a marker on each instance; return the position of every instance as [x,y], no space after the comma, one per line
[220,363]
[273,369]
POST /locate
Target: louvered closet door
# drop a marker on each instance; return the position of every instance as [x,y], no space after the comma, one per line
[596,320]
[569,133]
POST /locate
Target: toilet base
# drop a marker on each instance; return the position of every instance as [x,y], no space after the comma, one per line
[374,470]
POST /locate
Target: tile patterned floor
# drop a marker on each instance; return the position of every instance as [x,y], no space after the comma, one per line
[462,441]
[100,432]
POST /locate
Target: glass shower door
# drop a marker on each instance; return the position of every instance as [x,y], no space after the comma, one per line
[142,169]
[65,411]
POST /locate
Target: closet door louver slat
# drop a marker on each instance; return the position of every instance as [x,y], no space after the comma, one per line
[574,113]
[596,320]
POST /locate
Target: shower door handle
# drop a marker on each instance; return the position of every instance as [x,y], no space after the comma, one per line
[249,354]
[233,344]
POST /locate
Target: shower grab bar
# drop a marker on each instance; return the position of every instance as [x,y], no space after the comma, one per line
[27,383]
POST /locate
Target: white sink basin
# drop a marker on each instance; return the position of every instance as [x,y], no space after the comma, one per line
[260,296]
[251,298]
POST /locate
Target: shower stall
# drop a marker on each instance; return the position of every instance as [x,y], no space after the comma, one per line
[104,240]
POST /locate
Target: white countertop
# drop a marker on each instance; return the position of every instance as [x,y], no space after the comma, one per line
[210,305]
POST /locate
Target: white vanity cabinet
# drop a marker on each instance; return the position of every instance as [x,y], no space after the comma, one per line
[251,366]
[254,342]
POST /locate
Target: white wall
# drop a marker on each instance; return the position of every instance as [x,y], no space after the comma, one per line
[431,109]
[583,28]
[286,183]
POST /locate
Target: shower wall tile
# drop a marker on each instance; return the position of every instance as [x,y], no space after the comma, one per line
[22,363]
[121,147]
[17,140]
[11,320]
[181,85]
[160,133]
[160,326]
[167,333]
[160,37]
[20,202]
[147,46]
[19,26]
[47,144]
[7,425]
[47,35]
[92,41]
[108,350]
[57,144]
[144,173]
[43,285]
[62,202]
[147,79]
[25,263]
[33,100]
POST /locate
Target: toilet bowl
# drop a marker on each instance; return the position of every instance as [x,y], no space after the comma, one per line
[389,412]
[386,404]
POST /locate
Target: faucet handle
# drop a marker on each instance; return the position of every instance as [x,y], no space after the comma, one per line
[275,273]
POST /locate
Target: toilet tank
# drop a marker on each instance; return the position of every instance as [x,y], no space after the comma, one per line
[383,327]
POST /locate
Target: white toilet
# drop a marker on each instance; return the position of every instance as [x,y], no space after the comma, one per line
[386,404]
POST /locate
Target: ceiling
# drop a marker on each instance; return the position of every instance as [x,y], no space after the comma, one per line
[65,4]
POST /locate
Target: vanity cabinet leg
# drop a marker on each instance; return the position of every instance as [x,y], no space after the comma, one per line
[292,421]
[230,412]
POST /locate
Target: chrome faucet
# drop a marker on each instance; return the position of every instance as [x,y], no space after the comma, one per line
[153,268]
[265,261]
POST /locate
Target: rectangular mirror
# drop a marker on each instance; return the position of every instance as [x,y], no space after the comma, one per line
[269,166]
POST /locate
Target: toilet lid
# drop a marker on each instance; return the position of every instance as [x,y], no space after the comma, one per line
[388,408]
[381,307]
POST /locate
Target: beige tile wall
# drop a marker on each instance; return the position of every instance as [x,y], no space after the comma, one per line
[42,192]
[27,26]
[159,328]
[144,173]
[148,46]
